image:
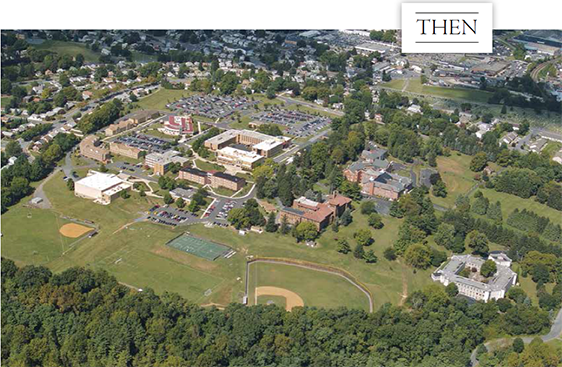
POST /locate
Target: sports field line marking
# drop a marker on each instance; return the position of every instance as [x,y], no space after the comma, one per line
[304,266]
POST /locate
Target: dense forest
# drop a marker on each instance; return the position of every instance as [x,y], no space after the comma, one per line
[82,317]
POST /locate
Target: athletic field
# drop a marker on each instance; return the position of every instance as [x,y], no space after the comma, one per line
[199,247]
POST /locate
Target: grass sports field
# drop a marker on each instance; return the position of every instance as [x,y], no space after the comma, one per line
[316,288]
[68,48]
[136,253]
[31,236]
[159,99]
[415,86]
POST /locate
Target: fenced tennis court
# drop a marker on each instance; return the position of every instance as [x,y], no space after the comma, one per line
[200,247]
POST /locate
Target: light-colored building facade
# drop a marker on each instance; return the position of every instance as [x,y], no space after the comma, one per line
[91,147]
[262,144]
[102,188]
[494,288]
[160,162]
[124,150]
[119,127]
[239,158]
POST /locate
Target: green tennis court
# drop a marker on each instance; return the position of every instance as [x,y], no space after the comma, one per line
[199,247]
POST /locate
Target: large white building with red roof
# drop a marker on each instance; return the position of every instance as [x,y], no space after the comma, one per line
[178,125]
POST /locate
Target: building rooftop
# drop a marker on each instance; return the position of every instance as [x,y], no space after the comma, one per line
[100,181]
[228,177]
[457,263]
[248,157]
[194,171]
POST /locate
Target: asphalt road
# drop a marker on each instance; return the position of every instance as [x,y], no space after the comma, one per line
[555,331]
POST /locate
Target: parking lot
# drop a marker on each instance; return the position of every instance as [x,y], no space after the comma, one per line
[300,124]
[144,142]
[170,216]
[212,107]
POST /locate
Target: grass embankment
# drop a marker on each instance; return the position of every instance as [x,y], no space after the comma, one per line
[415,86]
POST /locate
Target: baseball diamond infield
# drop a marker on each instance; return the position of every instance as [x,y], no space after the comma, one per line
[74,230]
[291,298]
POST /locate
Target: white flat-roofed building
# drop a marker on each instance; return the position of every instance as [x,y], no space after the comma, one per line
[100,187]
[263,144]
[239,158]
[494,287]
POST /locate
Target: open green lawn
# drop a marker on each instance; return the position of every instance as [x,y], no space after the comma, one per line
[386,280]
[316,288]
[206,166]
[68,48]
[142,57]
[457,176]
[4,101]
[136,254]
[415,86]
[159,99]
[31,236]
[510,202]
[551,148]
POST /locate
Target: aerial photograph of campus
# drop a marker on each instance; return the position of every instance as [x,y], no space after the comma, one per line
[279,198]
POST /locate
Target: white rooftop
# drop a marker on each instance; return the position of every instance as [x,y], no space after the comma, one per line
[100,181]
[243,155]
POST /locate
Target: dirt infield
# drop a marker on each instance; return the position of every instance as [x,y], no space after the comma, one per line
[74,230]
[292,299]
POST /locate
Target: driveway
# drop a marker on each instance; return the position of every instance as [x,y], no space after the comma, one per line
[555,331]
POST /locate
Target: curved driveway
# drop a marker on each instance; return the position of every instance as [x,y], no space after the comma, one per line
[555,331]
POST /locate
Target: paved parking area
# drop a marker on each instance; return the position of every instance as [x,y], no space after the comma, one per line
[300,124]
[170,216]
[212,107]
[144,142]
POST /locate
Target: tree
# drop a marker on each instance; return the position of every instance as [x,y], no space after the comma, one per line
[518,345]
[375,221]
[284,228]
[439,189]
[238,219]
[445,235]
[488,269]
[168,198]
[480,205]
[346,218]
[478,162]
[180,203]
[389,254]
[418,256]
[368,207]
[370,257]
[359,252]
[124,193]
[306,231]
[271,226]
[13,149]
[363,237]
[494,212]
[478,242]
[452,290]
[343,247]
[142,193]
[70,184]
